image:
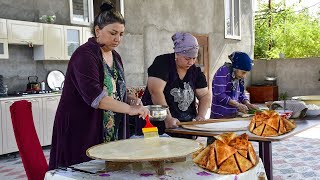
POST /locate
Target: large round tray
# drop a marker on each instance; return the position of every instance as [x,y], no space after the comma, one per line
[149,149]
[220,126]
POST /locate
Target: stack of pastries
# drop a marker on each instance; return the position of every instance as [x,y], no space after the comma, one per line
[228,154]
[270,123]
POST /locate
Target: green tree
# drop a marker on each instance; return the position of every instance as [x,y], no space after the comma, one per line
[295,34]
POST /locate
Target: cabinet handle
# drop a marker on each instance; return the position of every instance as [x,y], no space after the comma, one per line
[51,98]
[7,102]
[33,100]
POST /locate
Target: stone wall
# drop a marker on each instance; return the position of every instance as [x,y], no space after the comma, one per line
[297,77]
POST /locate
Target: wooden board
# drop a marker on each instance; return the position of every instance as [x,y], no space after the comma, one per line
[220,126]
[140,149]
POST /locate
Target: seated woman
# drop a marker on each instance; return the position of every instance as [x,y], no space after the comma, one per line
[175,81]
[228,96]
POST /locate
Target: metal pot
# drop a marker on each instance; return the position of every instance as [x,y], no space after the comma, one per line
[33,84]
[157,112]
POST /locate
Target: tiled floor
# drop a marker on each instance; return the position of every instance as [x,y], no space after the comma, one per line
[295,158]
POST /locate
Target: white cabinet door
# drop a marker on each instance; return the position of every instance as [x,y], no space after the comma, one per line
[9,141]
[23,32]
[50,105]
[3,29]
[73,39]
[53,48]
[86,34]
[4,53]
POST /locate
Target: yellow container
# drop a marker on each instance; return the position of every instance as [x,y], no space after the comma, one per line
[313,99]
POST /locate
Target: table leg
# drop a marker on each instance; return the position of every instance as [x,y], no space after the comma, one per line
[265,153]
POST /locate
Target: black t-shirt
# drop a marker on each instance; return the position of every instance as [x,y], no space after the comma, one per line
[179,94]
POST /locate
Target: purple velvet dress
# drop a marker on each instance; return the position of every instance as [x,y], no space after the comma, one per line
[78,125]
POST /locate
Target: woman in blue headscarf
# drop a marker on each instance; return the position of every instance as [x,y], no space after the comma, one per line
[228,96]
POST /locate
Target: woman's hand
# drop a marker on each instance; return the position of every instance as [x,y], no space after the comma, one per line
[171,123]
[200,118]
[242,108]
[251,106]
[139,110]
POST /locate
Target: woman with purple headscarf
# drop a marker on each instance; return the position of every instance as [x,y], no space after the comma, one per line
[175,81]
[228,96]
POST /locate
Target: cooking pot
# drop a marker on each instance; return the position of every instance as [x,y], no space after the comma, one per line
[33,84]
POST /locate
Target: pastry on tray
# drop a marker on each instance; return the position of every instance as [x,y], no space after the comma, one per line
[228,154]
[270,123]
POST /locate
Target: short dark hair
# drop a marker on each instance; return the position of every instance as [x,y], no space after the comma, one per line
[107,15]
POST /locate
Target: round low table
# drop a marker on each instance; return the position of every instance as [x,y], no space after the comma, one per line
[118,154]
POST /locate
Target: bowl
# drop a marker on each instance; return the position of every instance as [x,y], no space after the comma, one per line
[314,112]
[314,99]
[284,113]
[157,112]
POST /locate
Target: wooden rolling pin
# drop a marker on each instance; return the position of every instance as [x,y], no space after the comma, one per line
[213,121]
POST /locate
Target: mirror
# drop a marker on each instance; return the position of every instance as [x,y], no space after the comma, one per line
[55,80]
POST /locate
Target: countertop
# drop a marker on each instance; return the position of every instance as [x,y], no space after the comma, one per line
[28,96]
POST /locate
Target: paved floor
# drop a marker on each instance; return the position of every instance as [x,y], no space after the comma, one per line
[296,158]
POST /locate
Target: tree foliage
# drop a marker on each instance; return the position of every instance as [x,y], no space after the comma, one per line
[295,34]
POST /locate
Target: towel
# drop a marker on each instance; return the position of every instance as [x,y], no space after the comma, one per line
[299,108]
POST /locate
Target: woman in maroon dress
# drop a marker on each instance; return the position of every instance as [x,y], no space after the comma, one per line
[92,104]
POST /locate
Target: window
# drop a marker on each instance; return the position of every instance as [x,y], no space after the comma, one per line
[81,12]
[232,19]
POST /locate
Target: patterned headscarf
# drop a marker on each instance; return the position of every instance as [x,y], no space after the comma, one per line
[185,44]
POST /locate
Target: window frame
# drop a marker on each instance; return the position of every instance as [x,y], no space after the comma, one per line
[90,14]
[233,35]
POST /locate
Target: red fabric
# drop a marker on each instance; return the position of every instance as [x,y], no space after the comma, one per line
[30,150]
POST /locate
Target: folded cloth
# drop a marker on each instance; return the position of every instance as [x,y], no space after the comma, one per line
[299,108]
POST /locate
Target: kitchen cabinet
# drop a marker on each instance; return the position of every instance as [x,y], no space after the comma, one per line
[9,141]
[43,110]
[86,34]
[53,45]
[4,54]
[73,39]
[262,94]
[50,105]
[23,32]
[3,29]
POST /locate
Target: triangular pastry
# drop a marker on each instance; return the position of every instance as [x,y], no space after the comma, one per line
[240,142]
[229,166]
[211,164]
[273,121]
[258,130]
[226,137]
[244,163]
[269,131]
[223,151]
[202,157]
[252,154]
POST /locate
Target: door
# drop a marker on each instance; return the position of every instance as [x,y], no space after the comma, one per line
[203,55]
[23,32]
[53,48]
[50,105]
[9,141]
[73,39]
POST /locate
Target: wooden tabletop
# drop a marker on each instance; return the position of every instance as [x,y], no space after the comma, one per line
[302,125]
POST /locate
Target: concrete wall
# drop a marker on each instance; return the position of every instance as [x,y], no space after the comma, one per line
[151,23]
[297,77]
[149,27]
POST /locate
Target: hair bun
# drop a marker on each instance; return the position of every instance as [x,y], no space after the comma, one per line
[106,7]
